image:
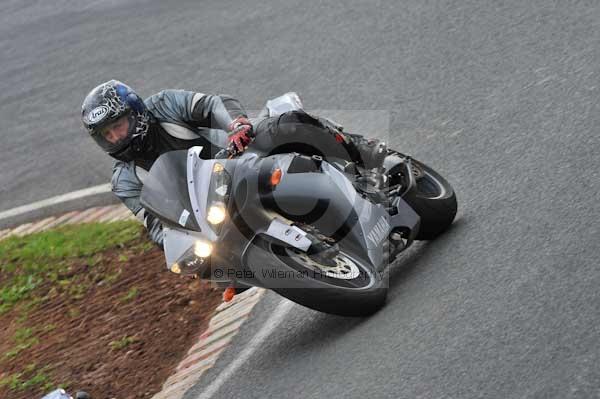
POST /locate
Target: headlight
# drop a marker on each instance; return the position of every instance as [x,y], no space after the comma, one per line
[175,268]
[202,249]
[218,168]
[218,196]
[194,260]
[216,213]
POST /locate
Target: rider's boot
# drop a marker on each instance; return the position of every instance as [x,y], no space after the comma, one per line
[368,153]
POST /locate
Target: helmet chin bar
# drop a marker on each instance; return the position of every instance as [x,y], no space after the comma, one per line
[126,154]
[139,149]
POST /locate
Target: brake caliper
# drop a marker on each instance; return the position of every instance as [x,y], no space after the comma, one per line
[323,249]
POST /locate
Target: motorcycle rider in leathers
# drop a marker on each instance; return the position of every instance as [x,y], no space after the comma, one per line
[136,132]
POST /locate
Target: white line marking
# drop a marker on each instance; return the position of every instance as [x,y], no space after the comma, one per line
[86,192]
[266,330]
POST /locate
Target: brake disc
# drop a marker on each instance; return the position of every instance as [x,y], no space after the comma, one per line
[344,269]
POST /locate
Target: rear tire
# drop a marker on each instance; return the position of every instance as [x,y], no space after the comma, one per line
[316,290]
[433,199]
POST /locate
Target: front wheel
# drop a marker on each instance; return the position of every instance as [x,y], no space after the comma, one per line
[432,198]
[347,287]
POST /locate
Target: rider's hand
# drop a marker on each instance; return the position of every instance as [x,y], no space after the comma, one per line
[240,134]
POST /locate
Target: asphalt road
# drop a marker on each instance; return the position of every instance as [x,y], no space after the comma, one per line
[500,97]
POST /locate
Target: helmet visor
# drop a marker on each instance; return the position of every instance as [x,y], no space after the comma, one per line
[115,135]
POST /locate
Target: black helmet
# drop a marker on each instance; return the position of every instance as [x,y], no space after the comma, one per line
[104,105]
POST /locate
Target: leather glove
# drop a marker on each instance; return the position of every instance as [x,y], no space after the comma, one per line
[154,228]
[240,134]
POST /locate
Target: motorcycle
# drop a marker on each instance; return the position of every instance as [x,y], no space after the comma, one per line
[320,232]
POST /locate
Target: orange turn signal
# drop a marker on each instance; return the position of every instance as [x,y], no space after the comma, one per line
[228,294]
[276,177]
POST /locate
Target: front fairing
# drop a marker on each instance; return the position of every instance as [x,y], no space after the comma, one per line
[165,191]
[178,191]
[327,200]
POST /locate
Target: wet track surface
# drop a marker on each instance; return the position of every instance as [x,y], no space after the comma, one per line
[502,99]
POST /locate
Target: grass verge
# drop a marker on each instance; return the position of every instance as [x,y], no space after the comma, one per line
[93,307]
[28,261]
[40,266]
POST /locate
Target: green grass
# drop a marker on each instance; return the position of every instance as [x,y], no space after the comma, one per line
[122,343]
[68,241]
[131,294]
[112,277]
[35,378]
[48,328]
[20,287]
[22,339]
[41,266]
[12,381]
[27,262]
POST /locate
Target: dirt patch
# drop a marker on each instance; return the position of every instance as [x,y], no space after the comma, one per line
[119,334]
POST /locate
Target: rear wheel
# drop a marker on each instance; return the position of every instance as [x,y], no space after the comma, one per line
[432,198]
[347,287]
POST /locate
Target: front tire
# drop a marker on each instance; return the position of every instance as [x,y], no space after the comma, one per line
[290,273]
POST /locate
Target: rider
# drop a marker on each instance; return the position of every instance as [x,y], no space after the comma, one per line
[135,132]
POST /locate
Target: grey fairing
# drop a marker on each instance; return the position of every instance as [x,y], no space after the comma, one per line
[263,222]
[199,172]
[329,201]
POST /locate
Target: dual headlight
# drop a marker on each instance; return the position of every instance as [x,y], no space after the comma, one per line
[218,196]
[194,259]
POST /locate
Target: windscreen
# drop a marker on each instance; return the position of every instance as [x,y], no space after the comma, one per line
[165,192]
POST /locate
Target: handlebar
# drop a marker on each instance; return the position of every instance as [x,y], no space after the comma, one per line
[231,151]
